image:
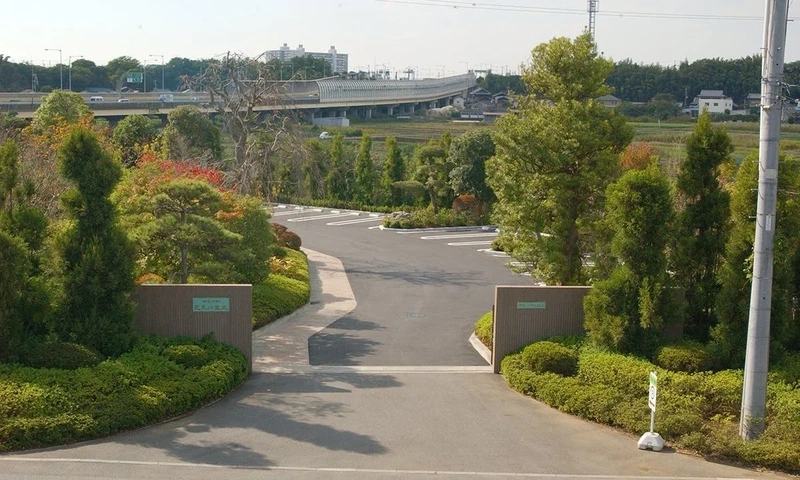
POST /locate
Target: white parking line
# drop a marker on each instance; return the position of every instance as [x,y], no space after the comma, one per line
[322,217]
[469,244]
[357,220]
[296,212]
[458,235]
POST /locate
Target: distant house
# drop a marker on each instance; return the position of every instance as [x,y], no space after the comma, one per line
[714,101]
[610,101]
[753,100]
[479,94]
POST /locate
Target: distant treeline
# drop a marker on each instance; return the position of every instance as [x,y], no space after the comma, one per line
[16,77]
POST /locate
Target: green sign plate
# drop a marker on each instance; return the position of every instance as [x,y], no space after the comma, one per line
[134,77]
[211,304]
[531,305]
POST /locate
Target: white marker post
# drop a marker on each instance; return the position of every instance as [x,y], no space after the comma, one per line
[651,440]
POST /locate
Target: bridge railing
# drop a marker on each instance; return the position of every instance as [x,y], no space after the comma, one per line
[334,91]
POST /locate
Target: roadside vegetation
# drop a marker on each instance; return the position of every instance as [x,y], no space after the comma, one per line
[666,244]
[86,214]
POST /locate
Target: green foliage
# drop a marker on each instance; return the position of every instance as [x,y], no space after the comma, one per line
[544,356]
[60,355]
[554,161]
[339,182]
[394,169]
[97,256]
[276,297]
[696,411]
[428,219]
[702,225]
[292,264]
[286,238]
[689,356]
[249,256]
[131,135]
[48,407]
[366,177]
[190,356]
[484,329]
[57,108]
[15,268]
[628,311]
[432,172]
[468,155]
[733,301]
[502,83]
[191,133]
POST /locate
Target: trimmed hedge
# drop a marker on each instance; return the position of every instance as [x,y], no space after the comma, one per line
[695,411]
[44,407]
[544,357]
[284,291]
[60,355]
[427,219]
[483,329]
[689,357]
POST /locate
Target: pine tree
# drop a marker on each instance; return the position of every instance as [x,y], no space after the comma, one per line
[393,171]
[366,177]
[702,225]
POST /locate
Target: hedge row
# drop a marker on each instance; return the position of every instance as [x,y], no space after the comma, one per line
[344,204]
[695,411]
[160,378]
[284,291]
[427,219]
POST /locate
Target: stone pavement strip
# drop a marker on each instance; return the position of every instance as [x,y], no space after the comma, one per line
[285,341]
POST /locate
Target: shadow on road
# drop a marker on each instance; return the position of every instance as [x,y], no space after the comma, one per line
[420,277]
[327,348]
[268,410]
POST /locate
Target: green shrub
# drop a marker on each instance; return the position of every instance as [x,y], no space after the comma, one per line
[190,356]
[276,297]
[542,357]
[43,407]
[687,357]
[626,374]
[483,329]
[62,355]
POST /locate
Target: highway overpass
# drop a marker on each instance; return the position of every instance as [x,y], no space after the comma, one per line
[323,98]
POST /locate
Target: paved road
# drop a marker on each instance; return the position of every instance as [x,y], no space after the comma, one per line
[358,417]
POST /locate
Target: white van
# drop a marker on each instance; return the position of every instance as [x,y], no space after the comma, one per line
[97,99]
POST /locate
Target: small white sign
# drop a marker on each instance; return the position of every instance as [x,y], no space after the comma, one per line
[651,400]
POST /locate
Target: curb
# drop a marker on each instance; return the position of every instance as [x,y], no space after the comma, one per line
[482,349]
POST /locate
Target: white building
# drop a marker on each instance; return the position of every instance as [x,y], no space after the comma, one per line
[714,101]
[337,61]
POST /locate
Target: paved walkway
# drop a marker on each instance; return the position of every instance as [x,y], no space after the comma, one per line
[284,343]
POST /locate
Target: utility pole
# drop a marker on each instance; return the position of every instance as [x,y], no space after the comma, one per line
[593,18]
[754,393]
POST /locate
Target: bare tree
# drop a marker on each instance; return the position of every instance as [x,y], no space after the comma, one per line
[239,87]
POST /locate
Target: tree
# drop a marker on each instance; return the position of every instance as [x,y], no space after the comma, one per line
[393,171]
[236,85]
[554,159]
[59,107]
[629,311]
[15,267]
[118,68]
[729,335]
[339,181]
[432,172]
[190,134]
[131,135]
[95,309]
[469,153]
[365,177]
[182,234]
[702,225]
[315,168]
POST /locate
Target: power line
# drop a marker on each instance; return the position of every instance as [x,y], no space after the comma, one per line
[499,7]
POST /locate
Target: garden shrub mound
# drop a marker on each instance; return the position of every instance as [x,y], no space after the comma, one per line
[159,379]
[284,291]
[689,357]
[544,357]
[60,355]
[696,411]
[427,219]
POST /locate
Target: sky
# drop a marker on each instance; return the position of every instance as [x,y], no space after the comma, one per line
[433,37]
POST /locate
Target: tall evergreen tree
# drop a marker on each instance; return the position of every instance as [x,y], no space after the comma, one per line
[366,177]
[554,158]
[393,171]
[98,259]
[339,182]
[702,225]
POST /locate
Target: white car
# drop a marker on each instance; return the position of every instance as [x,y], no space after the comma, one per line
[325,136]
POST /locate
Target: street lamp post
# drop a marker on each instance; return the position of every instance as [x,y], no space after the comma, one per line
[443,74]
[70,68]
[144,77]
[60,64]
[163,85]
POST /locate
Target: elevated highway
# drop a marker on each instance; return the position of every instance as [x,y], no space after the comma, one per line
[320,98]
